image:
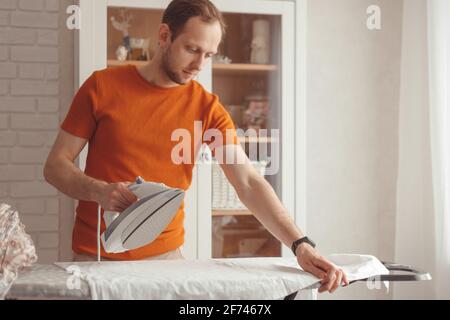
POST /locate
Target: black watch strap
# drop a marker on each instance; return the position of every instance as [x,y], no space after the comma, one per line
[296,243]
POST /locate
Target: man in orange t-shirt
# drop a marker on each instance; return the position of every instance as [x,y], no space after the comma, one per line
[128,115]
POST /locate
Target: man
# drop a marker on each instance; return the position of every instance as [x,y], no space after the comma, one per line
[129,114]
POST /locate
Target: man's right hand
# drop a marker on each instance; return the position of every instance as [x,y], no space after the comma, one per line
[116,196]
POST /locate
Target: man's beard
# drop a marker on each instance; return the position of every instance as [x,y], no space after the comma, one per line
[168,71]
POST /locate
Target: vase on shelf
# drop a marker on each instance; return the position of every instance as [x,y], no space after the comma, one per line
[260,53]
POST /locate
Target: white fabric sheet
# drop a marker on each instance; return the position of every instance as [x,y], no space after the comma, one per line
[241,278]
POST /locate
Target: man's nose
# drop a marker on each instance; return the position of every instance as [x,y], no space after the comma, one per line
[198,63]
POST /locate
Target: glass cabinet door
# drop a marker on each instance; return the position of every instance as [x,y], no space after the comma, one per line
[246,77]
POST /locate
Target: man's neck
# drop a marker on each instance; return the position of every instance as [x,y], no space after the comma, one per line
[153,73]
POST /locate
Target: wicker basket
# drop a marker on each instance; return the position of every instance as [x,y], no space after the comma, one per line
[224,196]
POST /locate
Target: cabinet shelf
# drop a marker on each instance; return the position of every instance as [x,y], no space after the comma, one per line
[220,68]
[242,68]
[220,213]
[115,63]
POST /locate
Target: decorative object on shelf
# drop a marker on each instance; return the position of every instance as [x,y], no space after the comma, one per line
[139,49]
[236,112]
[221,59]
[261,42]
[255,115]
[121,53]
[123,25]
[224,196]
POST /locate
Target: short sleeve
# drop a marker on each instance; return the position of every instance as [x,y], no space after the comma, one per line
[219,121]
[81,120]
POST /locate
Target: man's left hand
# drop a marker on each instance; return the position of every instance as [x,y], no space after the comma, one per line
[311,261]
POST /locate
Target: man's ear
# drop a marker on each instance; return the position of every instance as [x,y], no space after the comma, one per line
[164,35]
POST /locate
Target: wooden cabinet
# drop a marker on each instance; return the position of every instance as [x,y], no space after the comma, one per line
[256,87]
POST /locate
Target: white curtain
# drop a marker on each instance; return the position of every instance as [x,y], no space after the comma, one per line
[439,64]
[422,236]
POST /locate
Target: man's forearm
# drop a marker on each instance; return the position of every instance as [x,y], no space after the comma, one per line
[260,198]
[69,179]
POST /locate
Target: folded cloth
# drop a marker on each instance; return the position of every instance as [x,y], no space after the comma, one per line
[237,278]
[17,250]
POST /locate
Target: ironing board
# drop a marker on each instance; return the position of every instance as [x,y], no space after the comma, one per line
[49,282]
[46,281]
[52,281]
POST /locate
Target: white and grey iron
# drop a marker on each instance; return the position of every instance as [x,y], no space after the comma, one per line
[143,221]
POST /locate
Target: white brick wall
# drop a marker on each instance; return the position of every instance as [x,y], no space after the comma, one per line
[29,115]
[36,5]
[8,4]
[3,53]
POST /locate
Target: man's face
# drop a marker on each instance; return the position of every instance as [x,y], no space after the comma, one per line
[185,57]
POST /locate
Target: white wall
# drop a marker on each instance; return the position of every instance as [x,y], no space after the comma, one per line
[352,117]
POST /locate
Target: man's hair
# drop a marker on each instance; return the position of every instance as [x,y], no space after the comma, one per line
[179,12]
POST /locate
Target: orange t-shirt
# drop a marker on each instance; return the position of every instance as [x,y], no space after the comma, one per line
[129,124]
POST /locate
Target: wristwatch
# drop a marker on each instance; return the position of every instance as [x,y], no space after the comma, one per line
[296,243]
